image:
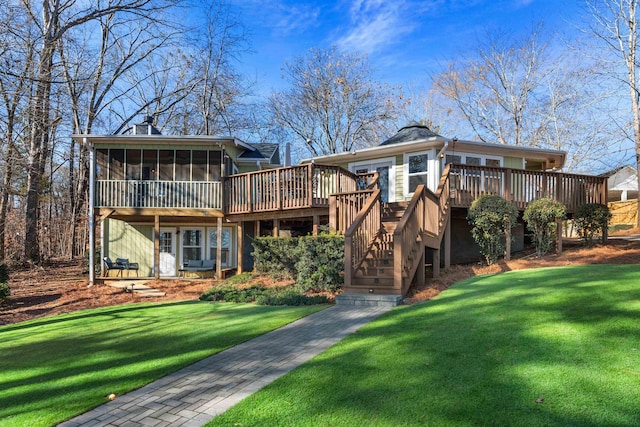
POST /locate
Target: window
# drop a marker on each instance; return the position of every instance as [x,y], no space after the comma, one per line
[225,248]
[199,168]
[418,170]
[494,163]
[191,244]
[102,163]
[116,164]
[214,165]
[183,165]
[149,164]
[133,164]
[165,164]
[453,158]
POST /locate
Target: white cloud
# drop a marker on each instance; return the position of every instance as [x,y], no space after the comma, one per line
[283,18]
[377,24]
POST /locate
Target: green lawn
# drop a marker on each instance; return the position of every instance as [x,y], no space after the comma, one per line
[56,367]
[546,347]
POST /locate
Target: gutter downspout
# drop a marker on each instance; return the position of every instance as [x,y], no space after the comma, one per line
[92,223]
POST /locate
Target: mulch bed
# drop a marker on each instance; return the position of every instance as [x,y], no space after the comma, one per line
[62,286]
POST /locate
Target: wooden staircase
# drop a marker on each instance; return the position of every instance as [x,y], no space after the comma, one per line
[376,271]
[385,244]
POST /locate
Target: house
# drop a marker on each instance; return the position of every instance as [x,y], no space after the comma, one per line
[158,198]
[622,183]
[622,197]
[165,200]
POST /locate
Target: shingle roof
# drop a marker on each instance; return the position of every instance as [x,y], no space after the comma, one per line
[260,152]
[411,132]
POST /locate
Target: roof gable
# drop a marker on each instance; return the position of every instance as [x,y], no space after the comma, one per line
[412,132]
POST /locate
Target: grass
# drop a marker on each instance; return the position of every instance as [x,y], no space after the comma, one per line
[545,347]
[56,367]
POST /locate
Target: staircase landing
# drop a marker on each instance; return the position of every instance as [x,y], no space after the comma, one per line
[377,300]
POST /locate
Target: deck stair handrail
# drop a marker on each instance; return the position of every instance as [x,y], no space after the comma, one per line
[424,220]
[361,234]
[520,186]
[293,187]
[344,207]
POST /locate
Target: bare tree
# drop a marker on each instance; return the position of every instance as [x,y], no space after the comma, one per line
[528,91]
[614,25]
[53,19]
[93,72]
[333,103]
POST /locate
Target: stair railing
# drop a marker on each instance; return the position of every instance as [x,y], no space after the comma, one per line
[361,234]
[344,206]
[425,214]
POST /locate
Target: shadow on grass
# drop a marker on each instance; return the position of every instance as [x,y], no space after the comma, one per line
[62,366]
[548,347]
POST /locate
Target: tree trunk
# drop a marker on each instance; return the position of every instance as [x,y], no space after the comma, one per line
[38,148]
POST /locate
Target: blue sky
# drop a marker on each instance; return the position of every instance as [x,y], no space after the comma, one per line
[404,39]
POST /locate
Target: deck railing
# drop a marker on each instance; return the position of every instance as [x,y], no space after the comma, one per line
[522,186]
[158,194]
[296,187]
[361,234]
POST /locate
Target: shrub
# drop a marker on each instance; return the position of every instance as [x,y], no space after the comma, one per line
[262,296]
[320,262]
[316,262]
[276,256]
[491,217]
[4,273]
[541,216]
[591,219]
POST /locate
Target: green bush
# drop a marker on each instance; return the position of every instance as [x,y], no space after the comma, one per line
[591,219]
[276,256]
[316,262]
[320,263]
[261,296]
[491,217]
[290,297]
[4,273]
[541,216]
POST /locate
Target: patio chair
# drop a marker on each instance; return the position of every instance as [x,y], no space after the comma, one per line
[110,265]
[126,265]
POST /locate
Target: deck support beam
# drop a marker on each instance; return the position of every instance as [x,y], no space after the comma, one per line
[316,225]
[156,247]
[436,262]
[276,227]
[240,229]
[447,241]
[219,250]
[420,279]
[507,251]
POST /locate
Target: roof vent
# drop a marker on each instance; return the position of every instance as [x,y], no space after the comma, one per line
[146,127]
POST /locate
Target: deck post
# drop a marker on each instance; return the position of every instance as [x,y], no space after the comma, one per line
[219,250]
[256,229]
[278,191]
[91,217]
[310,183]
[156,247]
[276,227]
[316,225]
[507,251]
[240,230]
[447,241]
[348,243]
[435,263]
[333,218]
[420,280]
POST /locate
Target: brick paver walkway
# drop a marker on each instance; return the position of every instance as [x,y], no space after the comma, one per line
[196,394]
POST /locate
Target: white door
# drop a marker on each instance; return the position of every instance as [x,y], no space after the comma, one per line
[168,252]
